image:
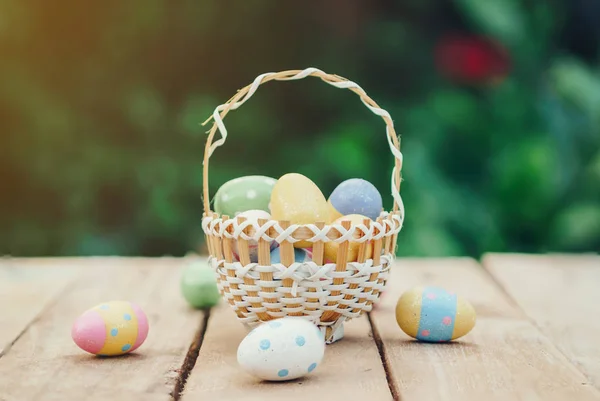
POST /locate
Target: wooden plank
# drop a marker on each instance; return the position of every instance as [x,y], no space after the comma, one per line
[45,364]
[560,294]
[351,368]
[504,358]
[27,287]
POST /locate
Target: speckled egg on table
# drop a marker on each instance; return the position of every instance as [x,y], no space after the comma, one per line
[433,314]
[355,196]
[251,192]
[111,328]
[282,349]
[297,199]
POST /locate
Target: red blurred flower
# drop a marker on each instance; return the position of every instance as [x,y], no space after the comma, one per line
[472,59]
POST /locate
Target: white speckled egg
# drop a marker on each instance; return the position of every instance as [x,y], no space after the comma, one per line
[282,349]
[252,216]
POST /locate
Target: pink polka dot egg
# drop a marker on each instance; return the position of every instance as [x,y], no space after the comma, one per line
[433,314]
[111,328]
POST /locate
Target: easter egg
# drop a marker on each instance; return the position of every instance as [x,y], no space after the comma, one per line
[111,328]
[331,248]
[282,349]
[310,255]
[251,192]
[253,216]
[356,196]
[199,285]
[297,199]
[433,314]
[300,255]
[333,213]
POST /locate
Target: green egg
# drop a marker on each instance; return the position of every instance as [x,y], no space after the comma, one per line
[199,285]
[251,192]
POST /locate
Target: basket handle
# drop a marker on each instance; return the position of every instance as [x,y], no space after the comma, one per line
[335,80]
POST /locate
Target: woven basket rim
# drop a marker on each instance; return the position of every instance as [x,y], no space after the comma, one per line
[268,229]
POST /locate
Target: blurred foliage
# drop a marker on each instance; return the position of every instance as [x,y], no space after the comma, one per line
[101,104]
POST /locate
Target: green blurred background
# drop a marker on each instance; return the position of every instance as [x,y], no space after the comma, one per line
[497,104]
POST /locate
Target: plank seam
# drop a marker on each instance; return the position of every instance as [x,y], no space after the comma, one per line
[190,359]
[395,392]
[49,305]
[537,326]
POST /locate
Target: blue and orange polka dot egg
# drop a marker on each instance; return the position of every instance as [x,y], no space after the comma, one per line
[433,314]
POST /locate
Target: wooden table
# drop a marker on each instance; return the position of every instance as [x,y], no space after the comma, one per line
[538,320]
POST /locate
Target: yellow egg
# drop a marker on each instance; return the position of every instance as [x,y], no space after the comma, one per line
[331,248]
[297,199]
[432,314]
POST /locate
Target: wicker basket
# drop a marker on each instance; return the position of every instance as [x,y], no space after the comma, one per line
[326,293]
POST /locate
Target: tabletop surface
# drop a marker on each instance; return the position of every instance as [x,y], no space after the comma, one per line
[538,318]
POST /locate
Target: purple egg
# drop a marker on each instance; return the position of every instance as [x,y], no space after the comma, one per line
[357,196]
